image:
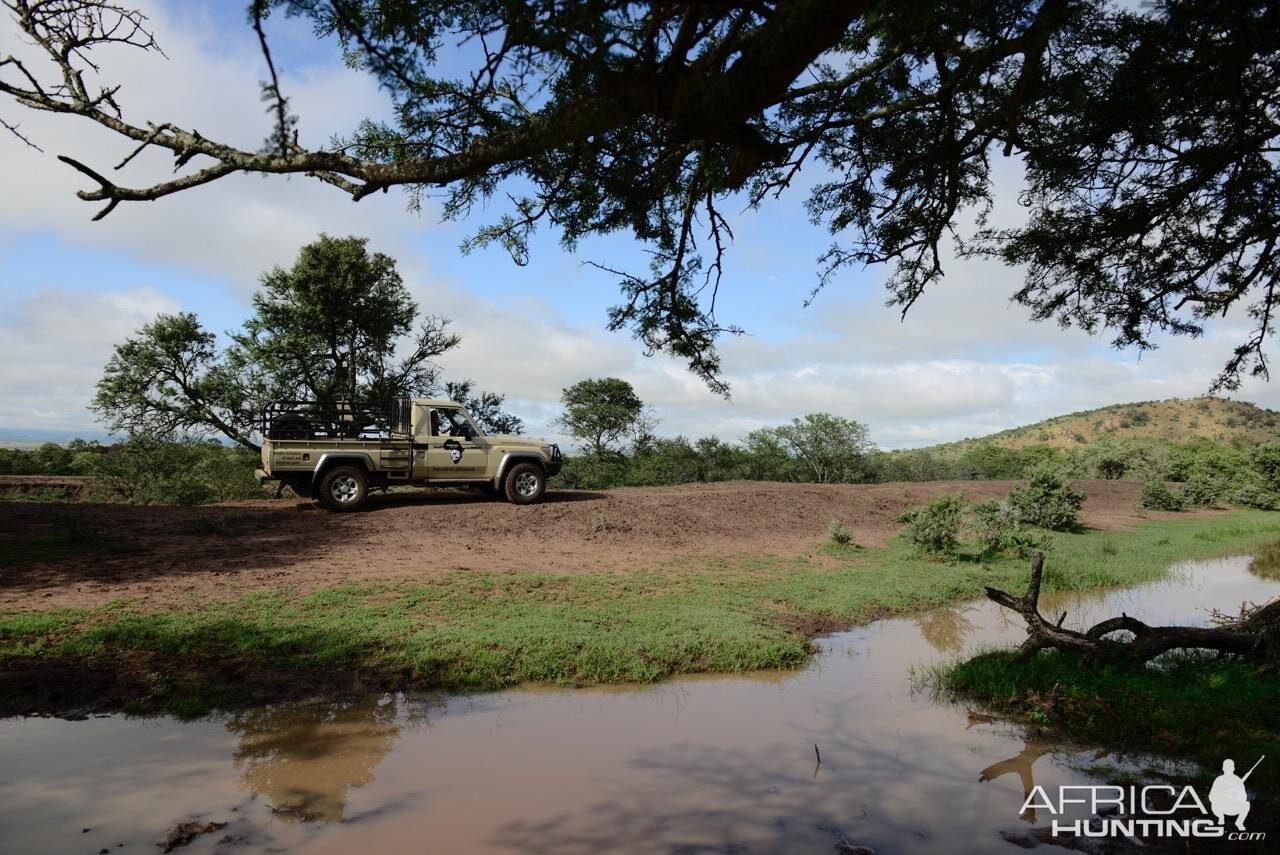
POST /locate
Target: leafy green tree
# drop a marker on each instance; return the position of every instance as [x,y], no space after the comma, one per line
[913,465]
[1147,132]
[484,407]
[988,460]
[830,449]
[768,458]
[328,327]
[171,378]
[602,413]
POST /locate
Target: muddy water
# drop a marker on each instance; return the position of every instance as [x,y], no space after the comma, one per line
[708,764]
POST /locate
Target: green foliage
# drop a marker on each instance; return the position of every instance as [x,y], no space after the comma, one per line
[839,534]
[1048,501]
[48,459]
[1157,497]
[149,471]
[912,465]
[1255,494]
[339,323]
[667,115]
[769,458]
[1204,487]
[827,448]
[484,407]
[999,528]
[988,460]
[601,413]
[934,527]
[1265,462]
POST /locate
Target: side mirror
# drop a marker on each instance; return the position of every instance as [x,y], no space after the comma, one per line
[469,432]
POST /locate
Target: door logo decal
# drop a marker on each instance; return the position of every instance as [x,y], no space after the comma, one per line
[455,450]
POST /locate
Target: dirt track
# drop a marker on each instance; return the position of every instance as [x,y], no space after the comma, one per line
[161,555]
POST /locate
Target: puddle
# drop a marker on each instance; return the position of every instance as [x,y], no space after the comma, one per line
[698,764]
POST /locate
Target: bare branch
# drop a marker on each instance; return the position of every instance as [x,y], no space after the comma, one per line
[1147,643]
[15,130]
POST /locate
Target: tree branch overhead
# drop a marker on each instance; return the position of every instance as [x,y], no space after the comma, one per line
[1149,139]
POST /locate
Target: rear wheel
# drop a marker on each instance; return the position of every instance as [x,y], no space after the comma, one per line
[525,484]
[343,488]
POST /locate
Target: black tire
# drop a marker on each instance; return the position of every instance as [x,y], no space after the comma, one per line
[525,483]
[292,426]
[343,488]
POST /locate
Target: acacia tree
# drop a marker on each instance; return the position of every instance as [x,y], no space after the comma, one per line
[339,323]
[601,413]
[819,447]
[1149,137]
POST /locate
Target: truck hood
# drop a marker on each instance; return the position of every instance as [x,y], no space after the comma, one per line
[512,440]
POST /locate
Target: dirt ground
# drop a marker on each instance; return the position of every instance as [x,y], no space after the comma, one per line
[167,555]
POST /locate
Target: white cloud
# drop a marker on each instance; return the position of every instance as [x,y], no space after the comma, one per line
[61,340]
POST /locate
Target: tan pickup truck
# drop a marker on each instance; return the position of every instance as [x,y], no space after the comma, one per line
[339,453]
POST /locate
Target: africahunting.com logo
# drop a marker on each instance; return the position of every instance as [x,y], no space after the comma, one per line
[1156,810]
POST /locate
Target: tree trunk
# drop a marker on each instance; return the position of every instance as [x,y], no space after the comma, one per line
[1246,639]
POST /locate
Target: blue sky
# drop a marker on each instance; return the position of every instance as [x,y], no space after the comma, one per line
[965,362]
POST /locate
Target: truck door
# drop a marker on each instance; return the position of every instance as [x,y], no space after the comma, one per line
[456,450]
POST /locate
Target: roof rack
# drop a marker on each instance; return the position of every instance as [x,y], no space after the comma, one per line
[335,419]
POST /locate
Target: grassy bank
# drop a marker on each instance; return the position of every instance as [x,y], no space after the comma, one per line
[1189,705]
[486,630]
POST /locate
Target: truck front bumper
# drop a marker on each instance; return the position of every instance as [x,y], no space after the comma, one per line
[262,476]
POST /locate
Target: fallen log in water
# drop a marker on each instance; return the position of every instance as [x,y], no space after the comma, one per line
[1254,636]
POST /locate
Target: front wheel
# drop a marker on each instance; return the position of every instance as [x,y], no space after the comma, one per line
[343,488]
[525,484]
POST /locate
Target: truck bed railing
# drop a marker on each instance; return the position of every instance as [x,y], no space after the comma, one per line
[338,419]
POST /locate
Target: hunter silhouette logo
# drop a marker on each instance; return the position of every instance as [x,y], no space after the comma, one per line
[1153,810]
[455,450]
[1227,796]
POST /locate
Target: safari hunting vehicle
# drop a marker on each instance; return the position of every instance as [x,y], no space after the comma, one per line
[337,453]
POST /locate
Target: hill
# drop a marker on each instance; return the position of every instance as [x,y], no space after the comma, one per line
[1173,420]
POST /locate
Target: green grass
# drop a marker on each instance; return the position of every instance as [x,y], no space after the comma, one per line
[487,630]
[1187,705]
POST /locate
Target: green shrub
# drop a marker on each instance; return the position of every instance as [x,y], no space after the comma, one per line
[1265,461]
[1157,497]
[934,527]
[591,472]
[1255,494]
[148,471]
[1204,488]
[839,533]
[1000,528]
[1048,501]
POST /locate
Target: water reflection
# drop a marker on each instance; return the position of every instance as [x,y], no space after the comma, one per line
[706,764]
[304,759]
[945,628]
[1021,765]
[1266,564]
